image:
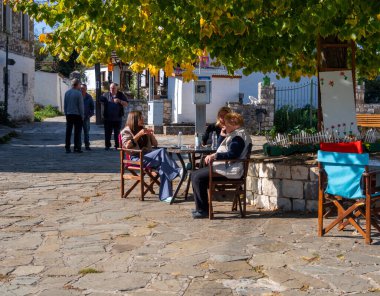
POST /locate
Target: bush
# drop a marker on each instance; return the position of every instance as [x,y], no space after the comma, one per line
[292,121]
[40,112]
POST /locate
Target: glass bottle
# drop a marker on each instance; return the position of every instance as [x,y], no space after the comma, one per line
[180,139]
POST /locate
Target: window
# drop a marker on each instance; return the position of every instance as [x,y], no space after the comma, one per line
[24,79]
[103,76]
[7,18]
[24,26]
[144,78]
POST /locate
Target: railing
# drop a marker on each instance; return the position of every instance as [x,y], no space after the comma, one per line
[297,96]
[295,106]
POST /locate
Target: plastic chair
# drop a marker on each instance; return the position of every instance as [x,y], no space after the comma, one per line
[346,183]
[223,185]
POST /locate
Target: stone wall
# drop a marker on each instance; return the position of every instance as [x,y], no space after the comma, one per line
[142,105]
[280,186]
[250,114]
[361,107]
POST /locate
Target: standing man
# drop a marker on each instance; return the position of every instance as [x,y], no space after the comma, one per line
[88,112]
[73,107]
[114,102]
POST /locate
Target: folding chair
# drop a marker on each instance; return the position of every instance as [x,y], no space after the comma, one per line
[223,185]
[346,183]
[136,171]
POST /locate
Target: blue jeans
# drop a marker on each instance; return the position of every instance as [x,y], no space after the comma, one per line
[167,169]
[86,131]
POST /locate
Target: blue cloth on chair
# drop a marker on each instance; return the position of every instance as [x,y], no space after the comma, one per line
[344,172]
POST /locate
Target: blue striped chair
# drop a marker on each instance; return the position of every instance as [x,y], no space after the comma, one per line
[346,183]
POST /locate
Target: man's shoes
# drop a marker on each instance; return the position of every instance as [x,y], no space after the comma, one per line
[88,148]
[78,151]
[200,215]
[68,150]
[107,148]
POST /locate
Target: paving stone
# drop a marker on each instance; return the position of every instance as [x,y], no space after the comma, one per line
[103,282]
[62,214]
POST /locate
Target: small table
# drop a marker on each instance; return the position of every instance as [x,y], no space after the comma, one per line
[191,151]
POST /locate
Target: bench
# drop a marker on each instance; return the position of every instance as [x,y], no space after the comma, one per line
[368,120]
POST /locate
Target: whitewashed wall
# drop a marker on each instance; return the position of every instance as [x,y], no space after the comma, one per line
[20,99]
[223,90]
[91,80]
[55,93]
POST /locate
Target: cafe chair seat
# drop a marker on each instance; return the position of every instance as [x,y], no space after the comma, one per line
[221,185]
[346,184]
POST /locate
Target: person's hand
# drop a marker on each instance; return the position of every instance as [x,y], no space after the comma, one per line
[148,131]
[209,157]
[116,100]
[223,132]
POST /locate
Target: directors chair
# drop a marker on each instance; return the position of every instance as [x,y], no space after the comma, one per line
[346,183]
[135,170]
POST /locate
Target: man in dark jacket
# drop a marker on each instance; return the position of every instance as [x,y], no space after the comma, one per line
[114,102]
[74,111]
[88,113]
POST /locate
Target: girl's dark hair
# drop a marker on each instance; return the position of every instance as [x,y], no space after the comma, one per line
[133,124]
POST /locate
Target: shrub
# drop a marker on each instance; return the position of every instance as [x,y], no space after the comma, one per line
[292,121]
[40,112]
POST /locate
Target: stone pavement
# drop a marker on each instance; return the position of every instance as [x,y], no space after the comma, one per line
[66,231]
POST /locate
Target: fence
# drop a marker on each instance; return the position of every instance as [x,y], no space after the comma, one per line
[297,96]
[296,106]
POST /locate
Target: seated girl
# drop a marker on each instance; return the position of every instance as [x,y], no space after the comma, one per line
[217,127]
[135,136]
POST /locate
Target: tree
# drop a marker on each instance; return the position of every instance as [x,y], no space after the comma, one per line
[256,35]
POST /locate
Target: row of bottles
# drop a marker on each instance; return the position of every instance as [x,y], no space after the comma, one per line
[198,140]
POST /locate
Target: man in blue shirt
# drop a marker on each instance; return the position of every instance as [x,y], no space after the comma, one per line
[88,112]
[114,102]
[73,107]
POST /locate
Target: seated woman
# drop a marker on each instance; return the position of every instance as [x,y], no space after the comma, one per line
[234,146]
[135,136]
[217,127]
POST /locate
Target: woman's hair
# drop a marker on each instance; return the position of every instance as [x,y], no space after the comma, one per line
[133,121]
[133,124]
[234,119]
[222,110]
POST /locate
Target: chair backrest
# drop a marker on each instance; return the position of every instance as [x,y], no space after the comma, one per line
[349,147]
[344,172]
[248,156]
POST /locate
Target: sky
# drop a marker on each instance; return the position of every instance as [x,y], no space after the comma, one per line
[41,27]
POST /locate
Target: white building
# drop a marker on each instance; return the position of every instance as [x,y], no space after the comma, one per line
[18,28]
[224,88]
[55,93]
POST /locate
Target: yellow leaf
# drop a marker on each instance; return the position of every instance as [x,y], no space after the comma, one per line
[42,38]
[138,67]
[202,22]
[153,70]
[378,17]
[169,67]
[123,28]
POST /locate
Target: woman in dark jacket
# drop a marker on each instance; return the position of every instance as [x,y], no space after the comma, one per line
[217,127]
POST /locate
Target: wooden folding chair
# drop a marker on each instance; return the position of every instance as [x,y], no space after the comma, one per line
[135,170]
[346,183]
[223,185]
